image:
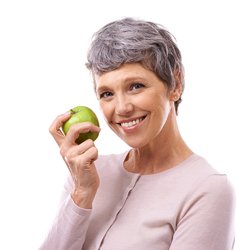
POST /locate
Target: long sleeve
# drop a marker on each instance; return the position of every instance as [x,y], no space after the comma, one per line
[188,207]
[207,218]
[69,228]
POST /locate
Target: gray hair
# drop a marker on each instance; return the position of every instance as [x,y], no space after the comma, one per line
[136,41]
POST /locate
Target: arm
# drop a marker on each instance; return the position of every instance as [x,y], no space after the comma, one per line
[70,226]
[206,221]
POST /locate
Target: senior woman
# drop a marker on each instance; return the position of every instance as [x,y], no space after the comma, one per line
[158,195]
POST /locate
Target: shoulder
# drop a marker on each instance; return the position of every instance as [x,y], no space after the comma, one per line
[211,191]
[211,180]
[205,186]
[200,165]
[218,188]
[200,172]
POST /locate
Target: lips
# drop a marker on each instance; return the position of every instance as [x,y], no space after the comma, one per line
[131,123]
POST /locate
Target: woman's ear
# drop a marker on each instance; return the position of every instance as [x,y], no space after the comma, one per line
[176,93]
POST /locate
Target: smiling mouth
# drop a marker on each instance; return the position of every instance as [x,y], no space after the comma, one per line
[131,123]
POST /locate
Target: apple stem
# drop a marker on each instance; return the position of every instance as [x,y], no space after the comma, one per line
[72,111]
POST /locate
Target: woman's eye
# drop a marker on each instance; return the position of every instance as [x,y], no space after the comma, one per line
[136,86]
[105,94]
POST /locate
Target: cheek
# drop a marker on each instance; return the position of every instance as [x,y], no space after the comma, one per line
[161,107]
[106,109]
[143,101]
[152,101]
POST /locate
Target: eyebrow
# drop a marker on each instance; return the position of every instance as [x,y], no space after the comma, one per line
[125,80]
[101,89]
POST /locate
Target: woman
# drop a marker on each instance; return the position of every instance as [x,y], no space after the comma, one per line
[159,194]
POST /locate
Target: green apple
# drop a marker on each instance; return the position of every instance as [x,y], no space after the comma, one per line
[82,114]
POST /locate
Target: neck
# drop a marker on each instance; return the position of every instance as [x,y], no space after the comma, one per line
[165,152]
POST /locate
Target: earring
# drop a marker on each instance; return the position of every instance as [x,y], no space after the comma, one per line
[176,98]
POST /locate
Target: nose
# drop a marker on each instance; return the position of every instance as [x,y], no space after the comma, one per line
[123,105]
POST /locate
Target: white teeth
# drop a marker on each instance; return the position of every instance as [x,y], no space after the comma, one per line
[132,123]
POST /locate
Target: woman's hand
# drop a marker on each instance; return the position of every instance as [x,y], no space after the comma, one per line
[79,159]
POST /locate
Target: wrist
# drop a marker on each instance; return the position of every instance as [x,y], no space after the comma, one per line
[82,198]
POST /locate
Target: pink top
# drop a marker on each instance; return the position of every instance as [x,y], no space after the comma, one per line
[188,207]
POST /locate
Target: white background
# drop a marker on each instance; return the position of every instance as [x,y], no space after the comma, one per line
[43,48]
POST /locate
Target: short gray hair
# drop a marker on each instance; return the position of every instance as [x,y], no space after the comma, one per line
[131,40]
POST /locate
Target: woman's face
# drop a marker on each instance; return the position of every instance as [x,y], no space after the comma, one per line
[134,102]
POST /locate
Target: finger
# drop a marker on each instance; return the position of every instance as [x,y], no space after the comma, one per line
[85,160]
[76,129]
[84,146]
[55,128]
[80,163]
[78,149]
